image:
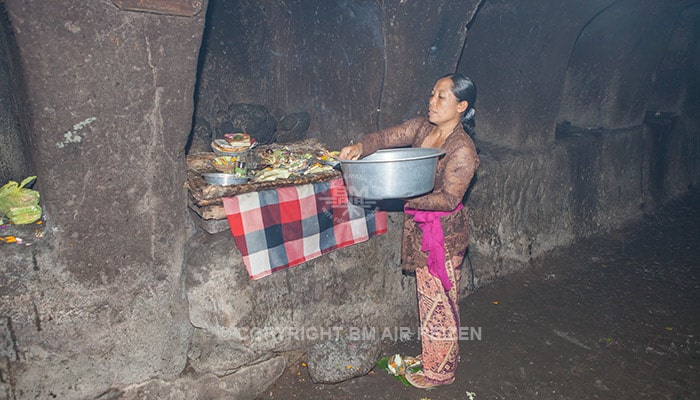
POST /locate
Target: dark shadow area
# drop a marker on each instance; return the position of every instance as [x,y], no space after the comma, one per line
[15,157]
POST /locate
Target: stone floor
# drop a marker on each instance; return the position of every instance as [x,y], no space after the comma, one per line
[614,317]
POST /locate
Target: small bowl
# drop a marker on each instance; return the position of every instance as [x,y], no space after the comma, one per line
[218,179]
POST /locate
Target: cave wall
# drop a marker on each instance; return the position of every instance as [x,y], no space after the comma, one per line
[675,83]
[612,56]
[567,148]
[352,65]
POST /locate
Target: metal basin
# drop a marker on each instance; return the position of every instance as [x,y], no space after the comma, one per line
[392,173]
[221,179]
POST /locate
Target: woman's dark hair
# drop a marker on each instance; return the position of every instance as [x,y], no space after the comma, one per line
[465,89]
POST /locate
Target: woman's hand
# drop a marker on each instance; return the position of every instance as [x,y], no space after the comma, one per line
[352,152]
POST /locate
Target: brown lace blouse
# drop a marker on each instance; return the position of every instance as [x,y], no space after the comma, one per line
[454,173]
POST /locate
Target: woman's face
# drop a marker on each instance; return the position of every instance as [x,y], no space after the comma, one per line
[444,107]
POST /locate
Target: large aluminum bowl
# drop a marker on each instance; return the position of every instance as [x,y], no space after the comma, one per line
[392,173]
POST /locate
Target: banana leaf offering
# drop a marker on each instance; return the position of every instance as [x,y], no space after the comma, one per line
[398,366]
[18,203]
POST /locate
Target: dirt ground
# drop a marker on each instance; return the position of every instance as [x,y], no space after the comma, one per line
[614,317]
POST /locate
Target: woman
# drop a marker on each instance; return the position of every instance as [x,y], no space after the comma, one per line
[449,124]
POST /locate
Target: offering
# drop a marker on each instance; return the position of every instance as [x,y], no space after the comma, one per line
[398,366]
[283,163]
[238,139]
[233,144]
[225,163]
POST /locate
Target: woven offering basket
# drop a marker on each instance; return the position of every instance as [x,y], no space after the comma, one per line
[206,200]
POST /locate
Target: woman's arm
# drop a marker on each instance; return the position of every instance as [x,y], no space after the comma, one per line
[397,136]
[457,175]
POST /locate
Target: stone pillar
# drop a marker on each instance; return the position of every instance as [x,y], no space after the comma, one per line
[101,302]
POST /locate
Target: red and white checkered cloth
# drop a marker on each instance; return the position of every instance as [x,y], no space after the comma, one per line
[279,228]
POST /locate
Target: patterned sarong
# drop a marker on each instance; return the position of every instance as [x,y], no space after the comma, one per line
[439,316]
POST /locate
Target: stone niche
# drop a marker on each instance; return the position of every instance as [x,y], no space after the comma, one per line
[327,71]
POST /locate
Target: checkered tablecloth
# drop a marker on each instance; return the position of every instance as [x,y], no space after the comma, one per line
[279,228]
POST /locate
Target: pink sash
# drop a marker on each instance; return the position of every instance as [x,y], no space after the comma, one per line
[433,241]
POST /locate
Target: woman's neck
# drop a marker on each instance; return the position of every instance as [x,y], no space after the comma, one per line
[446,129]
[439,135]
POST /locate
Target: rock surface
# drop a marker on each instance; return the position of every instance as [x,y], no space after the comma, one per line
[243,384]
[314,305]
[253,119]
[342,358]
